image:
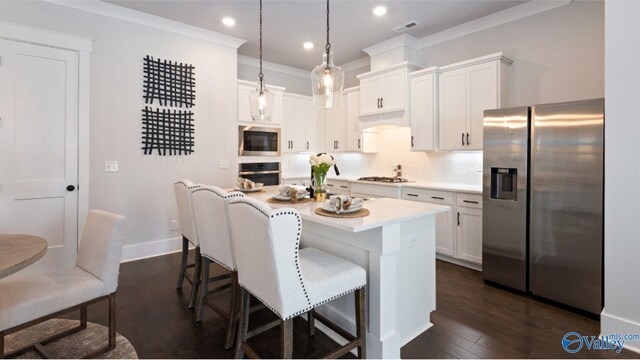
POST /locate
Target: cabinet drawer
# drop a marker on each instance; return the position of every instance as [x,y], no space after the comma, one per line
[470,200]
[432,196]
[376,190]
[338,187]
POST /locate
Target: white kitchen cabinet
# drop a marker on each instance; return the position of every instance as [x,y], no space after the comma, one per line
[385,91]
[358,140]
[423,86]
[303,181]
[445,240]
[311,131]
[244,109]
[294,123]
[339,187]
[469,228]
[466,90]
[372,190]
[336,127]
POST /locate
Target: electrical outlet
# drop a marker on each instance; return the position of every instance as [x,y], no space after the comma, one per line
[224,164]
[110,166]
[174,225]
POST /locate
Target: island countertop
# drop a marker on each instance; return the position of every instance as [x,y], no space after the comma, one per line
[383,211]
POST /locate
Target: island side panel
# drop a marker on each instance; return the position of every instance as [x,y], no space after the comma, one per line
[400,263]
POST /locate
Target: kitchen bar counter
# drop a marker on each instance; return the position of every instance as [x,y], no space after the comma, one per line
[396,246]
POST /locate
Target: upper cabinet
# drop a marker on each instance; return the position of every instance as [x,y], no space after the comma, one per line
[385,91]
[244,110]
[336,127]
[299,124]
[465,91]
[424,109]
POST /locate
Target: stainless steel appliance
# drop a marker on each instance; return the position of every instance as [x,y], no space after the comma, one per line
[543,201]
[267,173]
[258,141]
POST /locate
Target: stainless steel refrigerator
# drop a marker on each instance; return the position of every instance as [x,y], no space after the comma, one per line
[543,186]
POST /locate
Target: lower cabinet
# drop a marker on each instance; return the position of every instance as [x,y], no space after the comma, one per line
[469,234]
[297,181]
[338,187]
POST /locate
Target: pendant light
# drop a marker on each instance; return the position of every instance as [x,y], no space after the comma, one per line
[261,99]
[327,79]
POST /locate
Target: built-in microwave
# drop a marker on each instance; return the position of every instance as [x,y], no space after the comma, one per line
[258,141]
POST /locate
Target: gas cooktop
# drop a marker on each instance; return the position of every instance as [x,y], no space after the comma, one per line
[386,179]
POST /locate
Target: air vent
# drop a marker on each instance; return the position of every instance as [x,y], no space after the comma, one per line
[405,27]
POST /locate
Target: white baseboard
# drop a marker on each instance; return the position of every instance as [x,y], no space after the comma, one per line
[151,249]
[610,324]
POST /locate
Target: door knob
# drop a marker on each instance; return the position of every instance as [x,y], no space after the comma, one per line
[71,188]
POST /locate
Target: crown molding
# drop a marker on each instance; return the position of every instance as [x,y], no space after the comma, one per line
[356,64]
[502,17]
[404,40]
[289,70]
[41,36]
[139,17]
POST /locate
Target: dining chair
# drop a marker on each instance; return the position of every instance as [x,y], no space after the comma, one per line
[31,299]
[210,210]
[187,227]
[288,280]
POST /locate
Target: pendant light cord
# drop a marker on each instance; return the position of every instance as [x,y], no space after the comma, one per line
[328,46]
[261,75]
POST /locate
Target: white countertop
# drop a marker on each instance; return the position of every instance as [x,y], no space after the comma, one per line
[384,211]
[461,188]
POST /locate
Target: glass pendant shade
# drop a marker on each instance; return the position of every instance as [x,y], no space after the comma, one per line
[261,103]
[327,81]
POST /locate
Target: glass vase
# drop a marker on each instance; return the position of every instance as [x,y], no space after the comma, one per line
[319,186]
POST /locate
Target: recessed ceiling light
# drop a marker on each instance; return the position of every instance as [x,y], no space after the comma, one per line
[379,10]
[229,21]
[308,45]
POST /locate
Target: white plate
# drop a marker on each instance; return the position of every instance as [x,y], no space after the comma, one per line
[327,207]
[287,198]
[247,190]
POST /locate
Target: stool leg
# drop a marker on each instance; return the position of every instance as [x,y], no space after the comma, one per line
[183,262]
[361,326]
[286,339]
[243,327]
[196,279]
[311,322]
[205,288]
[1,344]
[112,321]
[233,312]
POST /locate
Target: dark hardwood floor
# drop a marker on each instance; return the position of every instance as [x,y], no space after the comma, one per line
[472,320]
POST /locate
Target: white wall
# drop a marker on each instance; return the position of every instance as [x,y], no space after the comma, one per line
[293,84]
[621,313]
[142,189]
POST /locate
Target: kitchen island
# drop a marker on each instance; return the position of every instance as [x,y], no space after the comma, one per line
[395,244]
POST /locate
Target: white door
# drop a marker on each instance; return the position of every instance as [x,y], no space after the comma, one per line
[453,109]
[393,90]
[370,95]
[444,233]
[483,95]
[423,117]
[469,235]
[39,148]
[354,135]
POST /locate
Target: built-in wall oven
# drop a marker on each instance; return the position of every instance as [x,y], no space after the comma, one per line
[258,141]
[266,173]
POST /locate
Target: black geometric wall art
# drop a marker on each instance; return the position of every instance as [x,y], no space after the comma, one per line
[169,82]
[168,131]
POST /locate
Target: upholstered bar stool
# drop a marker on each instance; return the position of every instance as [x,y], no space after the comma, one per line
[187,228]
[210,209]
[289,281]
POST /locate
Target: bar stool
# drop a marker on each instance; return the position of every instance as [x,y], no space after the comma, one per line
[187,227]
[287,280]
[210,210]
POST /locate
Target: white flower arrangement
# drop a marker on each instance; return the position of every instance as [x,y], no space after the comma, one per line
[321,159]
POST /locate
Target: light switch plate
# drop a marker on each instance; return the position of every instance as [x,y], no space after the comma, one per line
[224,164]
[110,166]
[174,225]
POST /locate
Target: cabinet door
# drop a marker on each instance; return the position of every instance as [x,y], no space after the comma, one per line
[276,115]
[483,95]
[321,131]
[311,132]
[469,235]
[294,125]
[336,127]
[423,115]
[244,109]
[393,90]
[354,135]
[288,131]
[369,95]
[452,109]
[444,233]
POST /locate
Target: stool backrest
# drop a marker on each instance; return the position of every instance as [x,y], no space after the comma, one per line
[265,245]
[101,247]
[211,213]
[186,223]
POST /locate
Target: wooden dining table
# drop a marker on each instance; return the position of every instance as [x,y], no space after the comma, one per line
[18,251]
